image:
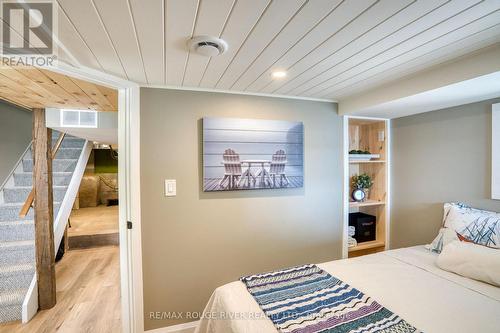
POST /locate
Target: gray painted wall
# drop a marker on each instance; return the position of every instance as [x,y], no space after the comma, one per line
[15,135]
[197,241]
[438,157]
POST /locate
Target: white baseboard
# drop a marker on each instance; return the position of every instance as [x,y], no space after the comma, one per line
[30,303]
[181,328]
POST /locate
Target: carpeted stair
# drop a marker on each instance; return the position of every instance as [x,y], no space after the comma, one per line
[17,247]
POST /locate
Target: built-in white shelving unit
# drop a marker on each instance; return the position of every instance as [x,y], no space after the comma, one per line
[373,135]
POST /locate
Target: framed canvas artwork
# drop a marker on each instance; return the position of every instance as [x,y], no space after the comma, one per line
[246,154]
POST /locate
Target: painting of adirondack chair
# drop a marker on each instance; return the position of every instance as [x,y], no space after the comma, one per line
[249,154]
[277,169]
[232,169]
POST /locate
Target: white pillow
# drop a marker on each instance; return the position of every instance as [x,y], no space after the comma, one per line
[474,261]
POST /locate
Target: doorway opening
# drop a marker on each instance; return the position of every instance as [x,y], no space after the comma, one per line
[94,219]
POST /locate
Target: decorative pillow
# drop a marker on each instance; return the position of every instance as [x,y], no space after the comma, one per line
[444,237]
[447,206]
[474,225]
[471,260]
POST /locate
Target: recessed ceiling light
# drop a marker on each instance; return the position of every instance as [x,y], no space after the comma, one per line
[278,74]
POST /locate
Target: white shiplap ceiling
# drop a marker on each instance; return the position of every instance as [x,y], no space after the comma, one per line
[330,48]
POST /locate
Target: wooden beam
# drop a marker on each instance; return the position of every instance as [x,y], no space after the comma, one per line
[31,196]
[44,215]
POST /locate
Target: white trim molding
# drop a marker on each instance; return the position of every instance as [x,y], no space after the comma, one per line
[30,303]
[130,210]
[129,190]
[180,328]
[388,176]
[345,187]
[495,151]
[91,75]
[235,92]
[62,217]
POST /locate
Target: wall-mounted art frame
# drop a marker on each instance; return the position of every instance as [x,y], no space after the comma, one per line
[246,154]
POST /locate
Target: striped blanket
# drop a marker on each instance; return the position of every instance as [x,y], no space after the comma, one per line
[306,299]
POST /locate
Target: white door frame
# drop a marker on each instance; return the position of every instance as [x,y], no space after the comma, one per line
[129,191]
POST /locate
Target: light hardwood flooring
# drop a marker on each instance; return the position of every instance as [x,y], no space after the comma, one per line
[94,220]
[88,295]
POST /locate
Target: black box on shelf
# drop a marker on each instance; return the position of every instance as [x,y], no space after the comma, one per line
[365,226]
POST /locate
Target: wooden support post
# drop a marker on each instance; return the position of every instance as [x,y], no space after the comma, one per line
[44,214]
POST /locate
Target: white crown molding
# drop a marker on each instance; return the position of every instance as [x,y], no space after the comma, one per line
[98,77]
[222,91]
[91,75]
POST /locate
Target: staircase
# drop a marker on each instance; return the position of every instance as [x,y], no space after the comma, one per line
[17,245]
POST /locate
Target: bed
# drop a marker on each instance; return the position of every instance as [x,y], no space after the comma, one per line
[406,281]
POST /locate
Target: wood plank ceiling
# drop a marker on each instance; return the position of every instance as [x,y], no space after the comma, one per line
[31,87]
[330,48]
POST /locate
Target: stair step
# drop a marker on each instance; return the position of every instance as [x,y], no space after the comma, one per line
[19,194]
[65,153]
[55,135]
[11,305]
[18,252]
[17,276]
[10,212]
[72,142]
[58,165]
[17,231]
[58,178]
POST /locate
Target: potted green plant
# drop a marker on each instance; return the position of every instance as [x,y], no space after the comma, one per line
[361,182]
[362,155]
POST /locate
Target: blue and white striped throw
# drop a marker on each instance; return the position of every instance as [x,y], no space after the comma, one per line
[307,299]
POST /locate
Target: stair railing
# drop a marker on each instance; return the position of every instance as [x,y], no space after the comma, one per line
[15,166]
[29,201]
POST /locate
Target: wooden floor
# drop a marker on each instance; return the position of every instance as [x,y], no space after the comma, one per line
[88,295]
[94,220]
[93,226]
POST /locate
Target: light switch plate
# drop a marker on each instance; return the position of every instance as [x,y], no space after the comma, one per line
[170,188]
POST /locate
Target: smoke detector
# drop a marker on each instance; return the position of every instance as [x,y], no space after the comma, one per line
[207,45]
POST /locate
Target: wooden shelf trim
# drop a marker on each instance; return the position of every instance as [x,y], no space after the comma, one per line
[370,161]
[367,245]
[366,203]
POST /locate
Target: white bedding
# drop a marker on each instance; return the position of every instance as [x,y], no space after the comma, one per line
[406,281]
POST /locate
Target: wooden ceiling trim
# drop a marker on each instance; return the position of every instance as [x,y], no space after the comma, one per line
[69,86]
[11,91]
[12,77]
[93,92]
[32,87]
[43,81]
[17,99]
[110,94]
